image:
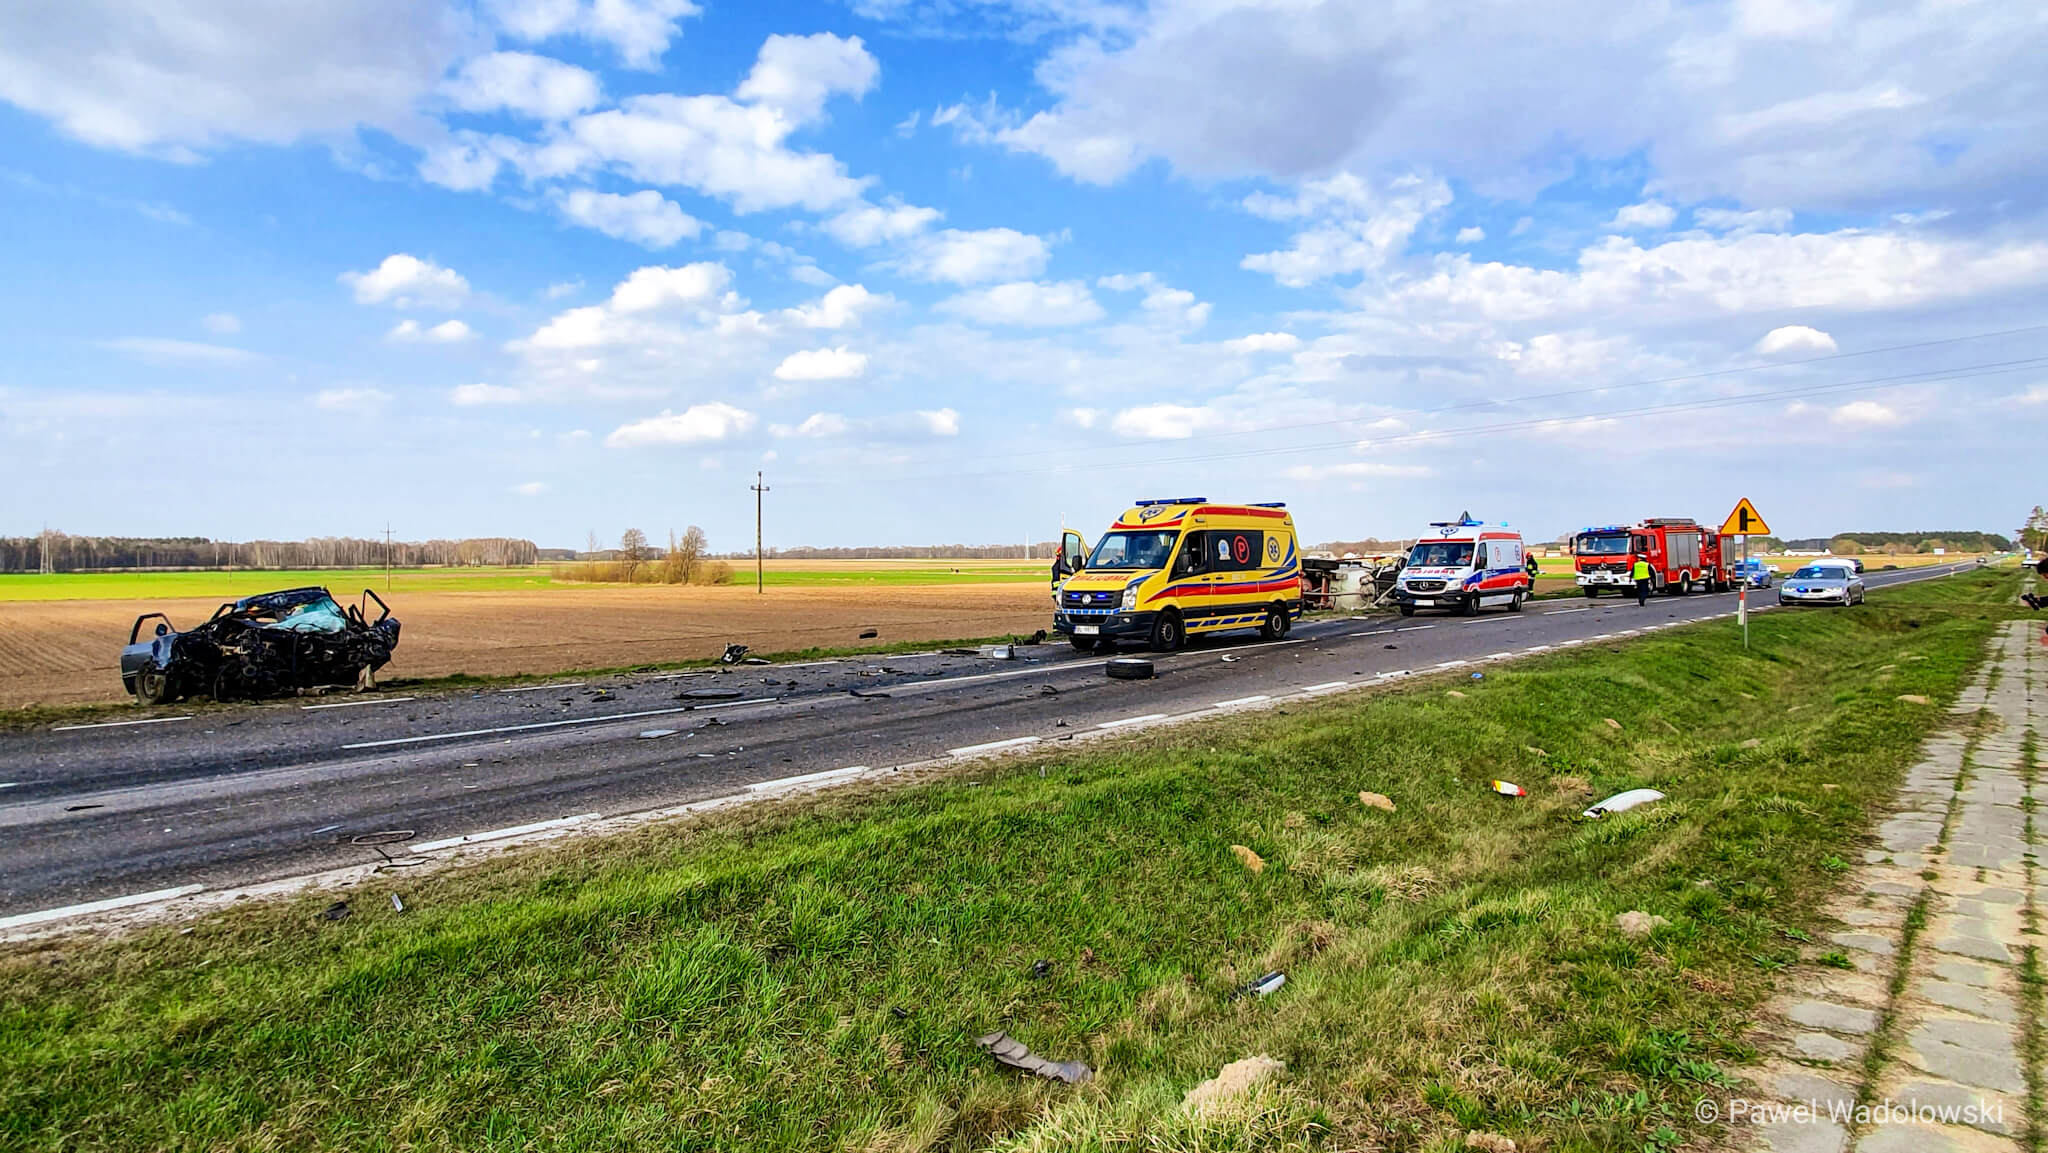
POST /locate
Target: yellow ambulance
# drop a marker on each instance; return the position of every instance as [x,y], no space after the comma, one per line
[1168,569]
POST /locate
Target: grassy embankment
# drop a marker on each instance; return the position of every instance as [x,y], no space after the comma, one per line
[811,976]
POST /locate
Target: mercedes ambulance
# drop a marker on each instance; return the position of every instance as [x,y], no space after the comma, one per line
[1169,569]
[1463,566]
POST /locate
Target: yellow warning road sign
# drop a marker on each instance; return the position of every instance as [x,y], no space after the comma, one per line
[1744,521]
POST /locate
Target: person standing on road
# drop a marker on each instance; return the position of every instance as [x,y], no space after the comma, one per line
[1640,571]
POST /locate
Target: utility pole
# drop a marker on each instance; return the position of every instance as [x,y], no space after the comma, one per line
[387,556]
[759,488]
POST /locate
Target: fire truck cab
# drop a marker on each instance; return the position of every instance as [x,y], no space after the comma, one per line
[1683,556]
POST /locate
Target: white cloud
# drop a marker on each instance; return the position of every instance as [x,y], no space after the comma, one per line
[1795,338]
[655,287]
[638,30]
[359,401]
[1734,220]
[1164,421]
[407,281]
[521,82]
[1472,234]
[466,161]
[842,307]
[222,323]
[560,289]
[797,74]
[1354,227]
[1354,469]
[2035,395]
[1867,413]
[1264,342]
[698,424]
[975,257]
[1163,304]
[480,394]
[866,225]
[941,422]
[176,79]
[530,488]
[818,425]
[646,217]
[1651,214]
[1027,304]
[822,364]
[155,351]
[447,332]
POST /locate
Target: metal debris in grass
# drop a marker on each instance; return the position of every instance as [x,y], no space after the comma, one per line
[338,911]
[1264,986]
[1007,1050]
[1623,802]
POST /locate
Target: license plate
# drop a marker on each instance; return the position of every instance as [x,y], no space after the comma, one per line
[1425,603]
[1087,630]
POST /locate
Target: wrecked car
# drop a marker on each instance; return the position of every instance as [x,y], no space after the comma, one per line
[260,646]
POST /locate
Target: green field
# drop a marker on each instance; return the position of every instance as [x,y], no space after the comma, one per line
[811,975]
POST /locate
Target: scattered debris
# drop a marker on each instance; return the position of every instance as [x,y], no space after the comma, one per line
[261,646]
[1390,646]
[1611,722]
[1636,923]
[1228,660]
[1040,970]
[1233,1081]
[1249,859]
[1264,986]
[338,911]
[654,734]
[601,696]
[397,906]
[757,661]
[870,634]
[1914,699]
[1623,802]
[1007,1050]
[733,655]
[1128,669]
[997,652]
[1376,801]
[1478,676]
[708,695]
[1048,691]
[325,829]
[867,695]
[1509,789]
[1481,1142]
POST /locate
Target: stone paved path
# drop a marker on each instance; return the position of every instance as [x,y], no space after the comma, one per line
[1934,1026]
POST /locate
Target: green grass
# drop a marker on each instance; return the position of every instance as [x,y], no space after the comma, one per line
[811,976]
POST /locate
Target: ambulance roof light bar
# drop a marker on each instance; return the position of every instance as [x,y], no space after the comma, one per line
[1176,500]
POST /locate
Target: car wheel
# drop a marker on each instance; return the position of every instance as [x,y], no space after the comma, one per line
[1407,610]
[1470,606]
[153,688]
[1128,669]
[1167,632]
[1515,606]
[1276,623]
[1591,592]
[1085,644]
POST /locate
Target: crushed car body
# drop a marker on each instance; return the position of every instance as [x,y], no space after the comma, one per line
[260,646]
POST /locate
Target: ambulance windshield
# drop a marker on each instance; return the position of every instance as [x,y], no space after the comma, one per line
[1596,544]
[1133,550]
[1441,554]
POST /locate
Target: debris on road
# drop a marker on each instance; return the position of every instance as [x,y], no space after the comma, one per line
[338,911]
[1376,801]
[997,652]
[1249,859]
[732,655]
[261,646]
[1007,1050]
[1623,802]
[656,734]
[1233,1081]
[1228,660]
[1636,923]
[708,695]
[1128,669]
[867,695]
[1263,986]
[1509,789]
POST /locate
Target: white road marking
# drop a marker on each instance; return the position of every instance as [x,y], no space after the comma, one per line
[121,724]
[521,728]
[1603,637]
[1537,649]
[1148,718]
[501,834]
[1414,628]
[1500,656]
[1241,701]
[807,778]
[1393,673]
[1327,686]
[356,704]
[735,704]
[1572,643]
[9,784]
[1453,664]
[1561,612]
[539,688]
[991,746]
[22,919]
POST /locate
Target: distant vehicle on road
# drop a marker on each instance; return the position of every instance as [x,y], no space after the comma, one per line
[1755,573]
[1168,569]
[1683,556]
[1830,583]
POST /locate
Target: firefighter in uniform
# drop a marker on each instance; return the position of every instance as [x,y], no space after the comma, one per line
[1640,571]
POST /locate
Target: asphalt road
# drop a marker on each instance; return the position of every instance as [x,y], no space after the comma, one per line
[94,812]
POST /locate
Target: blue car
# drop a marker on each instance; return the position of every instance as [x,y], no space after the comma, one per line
[1755,573]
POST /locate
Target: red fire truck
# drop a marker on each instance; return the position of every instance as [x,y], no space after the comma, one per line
[1683,554]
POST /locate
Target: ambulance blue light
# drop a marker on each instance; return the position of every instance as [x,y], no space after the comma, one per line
[1176,500]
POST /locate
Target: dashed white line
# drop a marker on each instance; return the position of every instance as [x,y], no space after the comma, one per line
[1561,612]
[20,920]
[1148,718]
[1327,686]
[540,688]
[358,704]
[1241,701]
[736,704]
[9,784]
[523,728]
[1537,649]
[501,834]
[1602,637]
[1453,664]
[1500,656]
[120,724]
[991,746]
[1414,628]
[807,778]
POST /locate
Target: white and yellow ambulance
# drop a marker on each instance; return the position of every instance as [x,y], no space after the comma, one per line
[1169,569]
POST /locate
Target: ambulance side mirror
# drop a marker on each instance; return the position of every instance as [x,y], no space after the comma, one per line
[1072,553]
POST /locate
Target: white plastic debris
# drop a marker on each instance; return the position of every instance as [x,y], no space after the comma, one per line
[1623,802]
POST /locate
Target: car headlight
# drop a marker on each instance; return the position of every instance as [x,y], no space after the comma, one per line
[1130,598]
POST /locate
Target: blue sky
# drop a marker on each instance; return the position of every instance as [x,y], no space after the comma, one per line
[959,270]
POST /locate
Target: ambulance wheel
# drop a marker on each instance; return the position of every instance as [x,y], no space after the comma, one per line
[1167,632]
[1515,606]
[1407,610]
[1276,623]
[1085,644]
[1469,607]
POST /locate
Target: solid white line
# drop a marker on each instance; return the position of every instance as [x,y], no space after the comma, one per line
[9,784]
[1603,637]
[538,688]
[1561,612]
[1146,719]
[357,704]
[1537,649]
[1500,656]
[519,728]
[736,704]
[1453,664]
[991,746]
[120,724]
[1241,701]
[1326,686]
[21,919]
[1572,643]
[501,834]
[1414,628]
[807,778]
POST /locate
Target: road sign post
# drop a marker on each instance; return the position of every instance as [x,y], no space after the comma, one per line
[1741,522]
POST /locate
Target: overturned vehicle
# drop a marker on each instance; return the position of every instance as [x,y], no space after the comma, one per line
[260,646]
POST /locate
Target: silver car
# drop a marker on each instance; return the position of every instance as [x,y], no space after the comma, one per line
[1833,583]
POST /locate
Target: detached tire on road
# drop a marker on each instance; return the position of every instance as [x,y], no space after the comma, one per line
[1128,669]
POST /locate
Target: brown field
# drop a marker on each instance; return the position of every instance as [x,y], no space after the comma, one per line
[67,652]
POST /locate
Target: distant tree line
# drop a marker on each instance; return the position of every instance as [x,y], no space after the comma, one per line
[685,561]
[61,552]
[1040,551]
[1895,543]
